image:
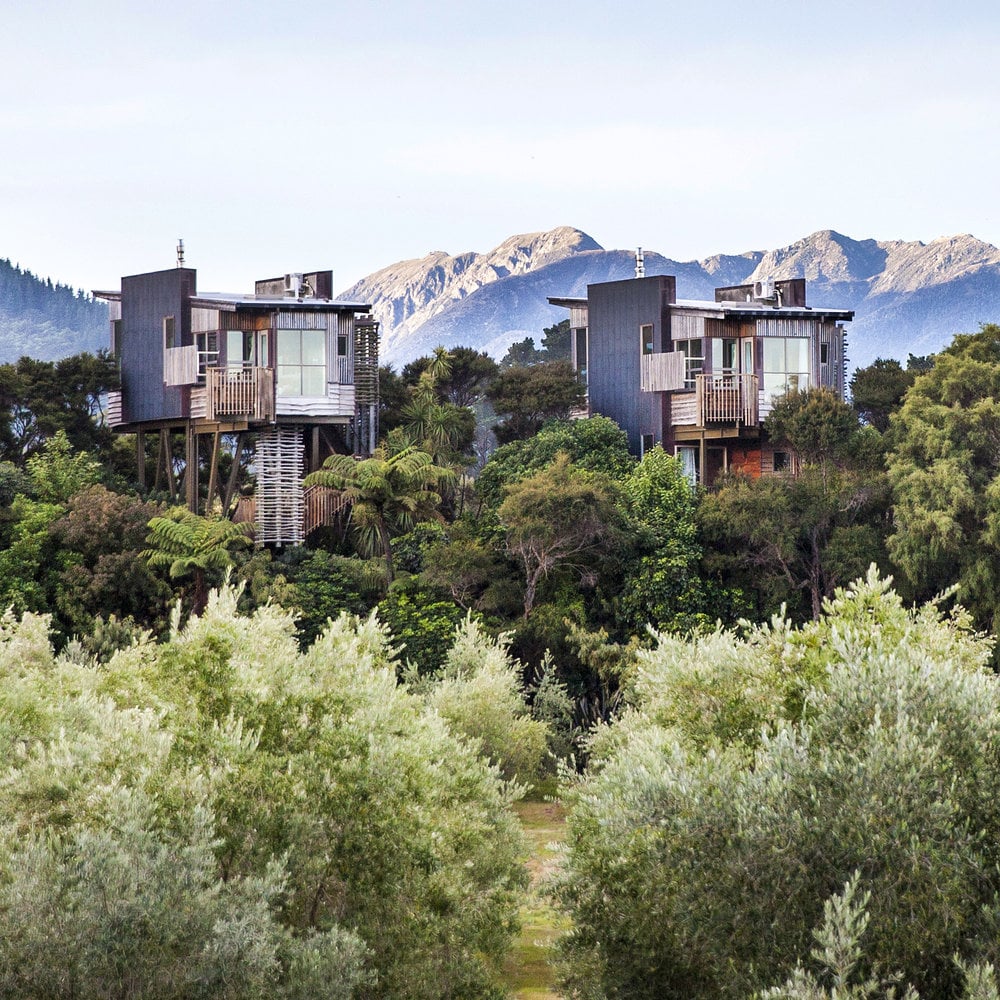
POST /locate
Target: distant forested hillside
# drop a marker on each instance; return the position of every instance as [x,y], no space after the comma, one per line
[45,320]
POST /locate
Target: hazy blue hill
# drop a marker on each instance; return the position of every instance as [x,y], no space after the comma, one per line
[45,320]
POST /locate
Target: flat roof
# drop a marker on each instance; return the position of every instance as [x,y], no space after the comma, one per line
[756,309]
[229,302]
[222,300]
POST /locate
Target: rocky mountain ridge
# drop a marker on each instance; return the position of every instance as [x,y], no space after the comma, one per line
[908,296]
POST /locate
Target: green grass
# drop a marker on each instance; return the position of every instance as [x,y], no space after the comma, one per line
[528,971]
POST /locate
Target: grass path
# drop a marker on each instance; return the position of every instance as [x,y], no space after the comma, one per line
[528,971]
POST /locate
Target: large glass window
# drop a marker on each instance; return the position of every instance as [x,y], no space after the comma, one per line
[724,356]
[694,359]
[786,365]
[301,362]
[239,348]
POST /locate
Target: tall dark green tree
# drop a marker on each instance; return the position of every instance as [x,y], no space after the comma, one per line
[812,532]
[40,398]
[944,466]
[878,390]
[527,397]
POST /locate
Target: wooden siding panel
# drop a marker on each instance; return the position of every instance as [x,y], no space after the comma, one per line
[339,402]
[662,372]
[180,365]
[686,327]
[684,409]
[205,320]
[146,300]
[617,310]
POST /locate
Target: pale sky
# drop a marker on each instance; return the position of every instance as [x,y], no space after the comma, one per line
[287,137]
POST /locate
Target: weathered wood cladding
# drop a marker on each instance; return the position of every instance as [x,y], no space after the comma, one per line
[205,320]
[146,300]
[684,326]
[617,312]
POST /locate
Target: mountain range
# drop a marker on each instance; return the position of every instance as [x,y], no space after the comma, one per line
[908,297]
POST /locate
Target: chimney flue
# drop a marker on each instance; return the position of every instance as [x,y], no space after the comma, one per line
[640,264]
[180,253]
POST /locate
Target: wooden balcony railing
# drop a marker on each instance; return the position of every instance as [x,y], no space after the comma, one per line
[321,505]
[727,399]
[240,392]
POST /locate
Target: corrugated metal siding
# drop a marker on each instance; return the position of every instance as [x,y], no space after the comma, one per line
[342,367]
[775,327]
[304,320]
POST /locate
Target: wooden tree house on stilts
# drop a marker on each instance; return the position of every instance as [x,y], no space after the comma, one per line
[287,367]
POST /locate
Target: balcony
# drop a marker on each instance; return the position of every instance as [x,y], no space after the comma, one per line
[727,399]
[239,392]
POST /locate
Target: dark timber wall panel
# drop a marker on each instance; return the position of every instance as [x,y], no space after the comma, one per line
[146,300]
[617,311]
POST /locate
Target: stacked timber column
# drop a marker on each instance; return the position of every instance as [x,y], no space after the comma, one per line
[280,470]
[365,385]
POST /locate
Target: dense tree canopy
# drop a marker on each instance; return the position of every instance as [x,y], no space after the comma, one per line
[387,492]
[223,815]
[756,775]
[40,398]
[812,532]
[944,466]
[527,397]
[560,518]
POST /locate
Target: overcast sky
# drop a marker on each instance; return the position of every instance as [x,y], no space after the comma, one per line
[276,137]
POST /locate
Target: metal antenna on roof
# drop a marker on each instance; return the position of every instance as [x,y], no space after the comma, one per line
[180,253]
[640,264]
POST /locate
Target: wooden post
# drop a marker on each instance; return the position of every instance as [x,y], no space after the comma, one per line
[140,460]
[168,458]
[191,468]
[213,473]
[160,449]
[234,473]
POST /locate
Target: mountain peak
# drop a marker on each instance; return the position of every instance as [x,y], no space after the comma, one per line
[407,294]
[825,255]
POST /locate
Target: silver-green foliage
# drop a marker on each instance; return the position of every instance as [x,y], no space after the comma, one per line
[480,694]
[222,815]
[751,779]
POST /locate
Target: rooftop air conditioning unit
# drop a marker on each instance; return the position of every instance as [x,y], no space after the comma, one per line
[764,289]
[293,283]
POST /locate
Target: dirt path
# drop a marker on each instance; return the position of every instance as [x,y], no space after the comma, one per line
[529,971]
